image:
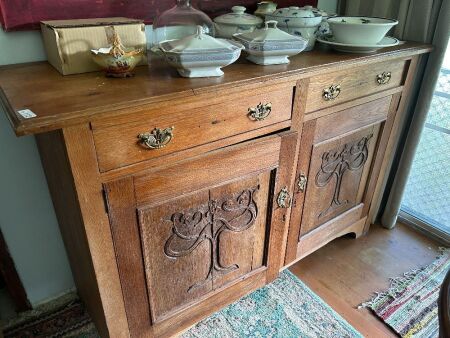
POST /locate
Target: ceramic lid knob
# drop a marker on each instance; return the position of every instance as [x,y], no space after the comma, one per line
[238,9]
[271,24]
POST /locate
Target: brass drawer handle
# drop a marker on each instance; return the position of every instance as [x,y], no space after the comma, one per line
[284,198]
[384,78]
[157,138]
[331,92]
[260,112]
[301,182]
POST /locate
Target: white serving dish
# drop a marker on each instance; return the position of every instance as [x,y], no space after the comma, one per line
[360,30]
[270,45]
[236,22]
[200,55]
[298,21]
[387,41]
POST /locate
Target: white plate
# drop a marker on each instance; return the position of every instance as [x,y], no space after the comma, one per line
[387,41]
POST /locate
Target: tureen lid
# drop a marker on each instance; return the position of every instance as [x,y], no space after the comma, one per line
[270,32]
[295,12]
[198,42]
[238,17]
[319,11]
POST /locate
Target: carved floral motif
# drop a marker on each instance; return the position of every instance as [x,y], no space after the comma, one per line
[335,163]
[233,213]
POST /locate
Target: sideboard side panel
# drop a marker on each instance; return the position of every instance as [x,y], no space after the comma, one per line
[71,169]
[392,143]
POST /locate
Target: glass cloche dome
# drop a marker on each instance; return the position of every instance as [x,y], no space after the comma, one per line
[180,21]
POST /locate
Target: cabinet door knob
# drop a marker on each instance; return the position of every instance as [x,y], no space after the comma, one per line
[384,78]
[331,92]
[157,138]
[284,198]
[260,112]
[301,182]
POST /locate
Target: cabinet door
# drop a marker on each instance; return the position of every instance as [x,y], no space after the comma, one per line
[339,160]
[197,243]
[187,234]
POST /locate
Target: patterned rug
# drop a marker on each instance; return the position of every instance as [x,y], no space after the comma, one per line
[63,317]
[286,308]
[410,305]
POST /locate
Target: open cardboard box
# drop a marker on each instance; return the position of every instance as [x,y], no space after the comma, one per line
[68,42]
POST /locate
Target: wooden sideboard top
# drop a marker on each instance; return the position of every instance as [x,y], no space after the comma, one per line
[60,101]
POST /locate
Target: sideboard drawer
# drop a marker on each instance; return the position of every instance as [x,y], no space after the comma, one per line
[174,129]
[330,89]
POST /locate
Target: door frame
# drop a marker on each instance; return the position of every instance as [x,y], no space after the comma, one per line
[425,228]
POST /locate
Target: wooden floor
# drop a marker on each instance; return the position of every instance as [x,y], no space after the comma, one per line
[346,272]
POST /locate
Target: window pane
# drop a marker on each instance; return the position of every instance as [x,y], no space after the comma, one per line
[427,194]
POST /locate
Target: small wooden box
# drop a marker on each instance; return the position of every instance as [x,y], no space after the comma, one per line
[68,42]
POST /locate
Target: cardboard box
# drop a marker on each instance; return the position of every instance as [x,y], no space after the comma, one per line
[68,42]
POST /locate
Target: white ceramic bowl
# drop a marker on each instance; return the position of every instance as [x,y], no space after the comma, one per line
[360,30]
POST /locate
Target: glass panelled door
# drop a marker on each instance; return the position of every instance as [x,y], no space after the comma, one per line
[426,201]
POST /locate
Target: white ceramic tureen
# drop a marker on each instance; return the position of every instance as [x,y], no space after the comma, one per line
[299,21]
[236,22]
[200,55]
[324,27]
[270,45]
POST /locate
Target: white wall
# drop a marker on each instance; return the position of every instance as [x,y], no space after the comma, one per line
[27,218]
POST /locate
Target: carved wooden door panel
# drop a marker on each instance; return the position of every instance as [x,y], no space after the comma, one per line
[337,175]
[336,164]
[197,243]
[186,233]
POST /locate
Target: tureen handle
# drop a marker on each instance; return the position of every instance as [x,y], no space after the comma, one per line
[272,23]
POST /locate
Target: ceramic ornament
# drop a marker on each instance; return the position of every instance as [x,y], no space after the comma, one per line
[200,55]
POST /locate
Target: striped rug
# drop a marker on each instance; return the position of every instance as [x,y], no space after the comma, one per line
[410,305]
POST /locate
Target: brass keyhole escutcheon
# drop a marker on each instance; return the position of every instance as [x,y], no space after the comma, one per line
[301,182]
[284,198]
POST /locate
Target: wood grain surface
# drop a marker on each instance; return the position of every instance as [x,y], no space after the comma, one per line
[131,217]
[355,82]
[192,126]
[60,101]
[347,272]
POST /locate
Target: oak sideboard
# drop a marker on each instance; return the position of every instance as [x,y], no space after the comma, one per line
[176,197]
